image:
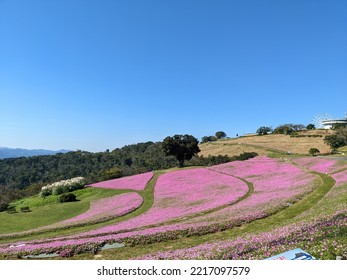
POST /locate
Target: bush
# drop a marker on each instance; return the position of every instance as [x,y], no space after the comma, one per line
[59,190]
[313,151]
[3,206]
[67,197]
[63,186]
[46,192]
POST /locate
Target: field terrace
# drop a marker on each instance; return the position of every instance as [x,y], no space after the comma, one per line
[178,194]
[276,185]
[321,165]
[182,194]
[316,236]
[100,210]
[107,208]
[135,182]
[186,194]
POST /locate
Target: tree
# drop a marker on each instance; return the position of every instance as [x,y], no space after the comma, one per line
[337,140]
[182,147]
[288,128]
[205,139]
[263,130]
[284,129]
[298,127]
[220,134]
[112,173]
[337,126]
[313,151]
[310,126]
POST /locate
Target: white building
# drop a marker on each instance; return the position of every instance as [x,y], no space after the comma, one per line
[328,124]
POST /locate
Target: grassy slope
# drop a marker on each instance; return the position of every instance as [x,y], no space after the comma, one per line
[9,225]
[306,208]
[48,211]
[267,144]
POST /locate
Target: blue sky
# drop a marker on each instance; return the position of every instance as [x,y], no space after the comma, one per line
[97,75]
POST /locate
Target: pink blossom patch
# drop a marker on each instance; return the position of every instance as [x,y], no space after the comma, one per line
[135,182]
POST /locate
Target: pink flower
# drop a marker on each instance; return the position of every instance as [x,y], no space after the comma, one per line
[135,182]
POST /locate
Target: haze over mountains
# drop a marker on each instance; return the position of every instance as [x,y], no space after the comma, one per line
[17,152]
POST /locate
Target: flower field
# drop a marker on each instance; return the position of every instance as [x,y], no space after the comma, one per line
[107,208]
[340,177]
[321,165]
[268,244]
[275,185]
[181,193]
[194,202]
[136,182]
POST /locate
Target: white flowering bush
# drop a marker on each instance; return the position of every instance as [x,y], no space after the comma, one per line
[63,186]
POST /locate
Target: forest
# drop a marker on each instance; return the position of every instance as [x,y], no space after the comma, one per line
[24,176]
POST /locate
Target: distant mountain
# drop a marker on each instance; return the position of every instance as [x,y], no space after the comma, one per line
[17,152]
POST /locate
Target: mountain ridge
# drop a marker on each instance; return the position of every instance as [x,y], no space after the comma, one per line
[6,152]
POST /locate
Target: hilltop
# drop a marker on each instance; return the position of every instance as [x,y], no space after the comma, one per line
[299,143]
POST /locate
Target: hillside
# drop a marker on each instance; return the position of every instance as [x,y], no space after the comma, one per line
[248,209]
[269,144]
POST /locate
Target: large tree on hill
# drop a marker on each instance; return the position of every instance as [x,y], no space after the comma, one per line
[220,134]
[182,147]
[264,130]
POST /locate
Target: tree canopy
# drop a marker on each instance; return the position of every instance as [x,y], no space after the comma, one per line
[288,128]
[182,147]
[220,134]
[310,126]
[337,140]
[263,130]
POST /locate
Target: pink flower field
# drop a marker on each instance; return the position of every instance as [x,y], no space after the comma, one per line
[106,208]
[181,193]
[267,244]
[275,184]
[100,210]
[340,178]
[136,182]
[197,201]
[321,165]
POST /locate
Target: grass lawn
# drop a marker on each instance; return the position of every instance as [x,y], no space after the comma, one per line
[48,210]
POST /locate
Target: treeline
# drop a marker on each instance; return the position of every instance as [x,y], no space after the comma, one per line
[20,177]
[19,173]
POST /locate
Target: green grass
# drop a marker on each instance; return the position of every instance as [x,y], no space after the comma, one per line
[46,211]
[86,196]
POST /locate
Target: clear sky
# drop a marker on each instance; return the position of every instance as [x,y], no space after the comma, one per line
[96,75]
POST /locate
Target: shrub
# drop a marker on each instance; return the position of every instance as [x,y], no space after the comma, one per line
[46,192]
[313,151]
[63,186]
[67,197]
[59,190]
[3,206]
